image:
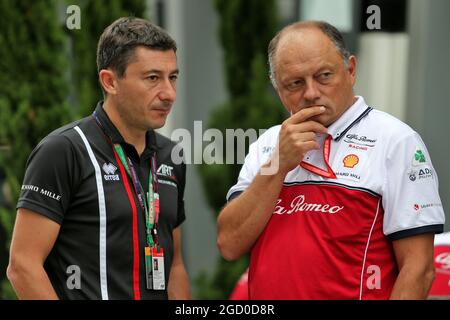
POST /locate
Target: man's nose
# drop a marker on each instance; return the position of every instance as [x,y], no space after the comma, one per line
[168,91]
[312,93]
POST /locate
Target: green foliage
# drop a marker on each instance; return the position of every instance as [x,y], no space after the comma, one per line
[95,16]
[7,291]
[33,92]
[246,28]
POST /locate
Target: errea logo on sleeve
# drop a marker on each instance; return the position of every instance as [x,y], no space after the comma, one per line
[110,171]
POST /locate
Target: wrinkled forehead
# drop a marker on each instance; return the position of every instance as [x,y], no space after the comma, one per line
[303,45]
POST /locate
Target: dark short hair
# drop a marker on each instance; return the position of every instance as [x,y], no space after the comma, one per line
[329,30]
[118,42]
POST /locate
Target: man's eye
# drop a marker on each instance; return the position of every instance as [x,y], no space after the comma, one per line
[325,76]
[174,78]
[152,77]
[294,84]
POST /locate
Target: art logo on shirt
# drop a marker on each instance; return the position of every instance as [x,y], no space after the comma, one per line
[110,171]
[166,171]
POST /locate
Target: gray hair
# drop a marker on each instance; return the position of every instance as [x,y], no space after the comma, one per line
[329,30]
[118,42]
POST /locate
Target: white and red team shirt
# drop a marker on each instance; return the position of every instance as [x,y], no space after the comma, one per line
[441,284]
[331,238]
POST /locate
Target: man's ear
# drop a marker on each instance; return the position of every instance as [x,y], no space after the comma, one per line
[352,68]
[108,80]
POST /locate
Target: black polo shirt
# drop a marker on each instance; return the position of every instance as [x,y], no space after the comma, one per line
[73,178]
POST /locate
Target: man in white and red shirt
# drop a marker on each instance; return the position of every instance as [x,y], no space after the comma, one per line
[341,200]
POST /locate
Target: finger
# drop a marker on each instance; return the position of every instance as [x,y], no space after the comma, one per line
[304,136]
[305,114]
[308,126]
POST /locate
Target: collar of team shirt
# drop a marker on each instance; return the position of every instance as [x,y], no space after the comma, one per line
[150,141]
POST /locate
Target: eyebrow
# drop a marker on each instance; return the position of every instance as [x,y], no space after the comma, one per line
[327,68]
[176,71]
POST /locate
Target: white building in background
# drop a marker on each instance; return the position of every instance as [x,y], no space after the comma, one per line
[404,72]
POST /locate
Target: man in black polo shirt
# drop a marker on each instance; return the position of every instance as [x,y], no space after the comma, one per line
[101,204]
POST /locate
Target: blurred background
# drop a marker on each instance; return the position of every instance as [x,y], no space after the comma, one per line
[48,77]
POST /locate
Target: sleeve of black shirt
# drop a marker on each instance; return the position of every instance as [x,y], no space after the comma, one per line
[49,178]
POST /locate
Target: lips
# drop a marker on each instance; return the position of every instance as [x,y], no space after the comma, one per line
[163,110]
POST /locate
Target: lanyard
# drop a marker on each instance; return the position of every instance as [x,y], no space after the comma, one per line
[149,202]
[326,156]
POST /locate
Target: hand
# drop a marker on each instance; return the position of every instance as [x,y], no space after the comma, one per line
[297,137]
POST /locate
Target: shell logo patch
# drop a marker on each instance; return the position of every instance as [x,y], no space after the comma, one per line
[350,161]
